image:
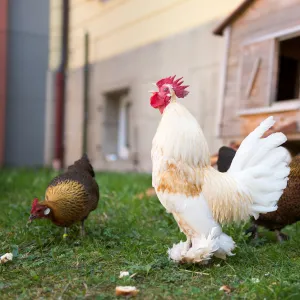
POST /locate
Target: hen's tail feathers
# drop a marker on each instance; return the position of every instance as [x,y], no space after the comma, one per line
[225,157]
[83,164]
[261,166]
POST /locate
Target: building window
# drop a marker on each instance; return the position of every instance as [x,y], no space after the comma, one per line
[123,133]
[288,70]
[117,129]
[127,113]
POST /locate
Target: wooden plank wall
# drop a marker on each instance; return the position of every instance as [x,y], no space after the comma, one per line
[257,96]
[263,17]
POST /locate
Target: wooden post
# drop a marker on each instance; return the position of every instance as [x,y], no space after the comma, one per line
[58,162]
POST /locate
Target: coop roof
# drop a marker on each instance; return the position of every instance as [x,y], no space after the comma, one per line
[232,17]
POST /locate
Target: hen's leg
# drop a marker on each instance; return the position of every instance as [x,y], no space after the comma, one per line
[66,233]
[253,230]
[281,237]
[82,230]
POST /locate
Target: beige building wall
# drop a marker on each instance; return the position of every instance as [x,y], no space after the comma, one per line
[116,26]
[134,43]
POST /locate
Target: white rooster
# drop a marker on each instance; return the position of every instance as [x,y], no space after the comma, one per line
[200,197]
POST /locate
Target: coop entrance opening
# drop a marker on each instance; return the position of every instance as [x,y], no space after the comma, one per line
[288,69]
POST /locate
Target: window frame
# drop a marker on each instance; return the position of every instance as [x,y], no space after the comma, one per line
[276,38]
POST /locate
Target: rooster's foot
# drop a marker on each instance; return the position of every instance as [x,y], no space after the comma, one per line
[281,237]
[200,250]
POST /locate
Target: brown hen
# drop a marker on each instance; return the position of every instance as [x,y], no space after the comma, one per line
[288,211]
[70,197]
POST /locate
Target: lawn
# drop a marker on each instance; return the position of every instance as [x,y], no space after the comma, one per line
[128,234]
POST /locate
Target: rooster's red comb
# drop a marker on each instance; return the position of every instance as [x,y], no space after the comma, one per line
[178,88]
[34,204]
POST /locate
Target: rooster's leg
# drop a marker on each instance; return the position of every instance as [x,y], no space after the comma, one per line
[281,236]
[188,243]
[82,230]
[187,246]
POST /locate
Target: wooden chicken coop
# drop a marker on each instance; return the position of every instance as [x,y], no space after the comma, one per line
[261,69]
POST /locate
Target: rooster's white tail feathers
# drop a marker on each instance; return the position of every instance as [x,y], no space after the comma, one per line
[261,166]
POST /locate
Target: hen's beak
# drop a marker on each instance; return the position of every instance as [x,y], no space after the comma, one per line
[31,218]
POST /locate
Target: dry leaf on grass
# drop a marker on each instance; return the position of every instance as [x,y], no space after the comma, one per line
[225,288]
[126,291]
[6,257]
[123,274]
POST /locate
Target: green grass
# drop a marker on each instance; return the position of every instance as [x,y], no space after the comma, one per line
[126,233]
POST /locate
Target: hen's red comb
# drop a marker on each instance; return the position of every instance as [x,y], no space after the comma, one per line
[34,204]
[178,88]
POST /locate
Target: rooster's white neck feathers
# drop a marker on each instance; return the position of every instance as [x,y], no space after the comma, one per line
[180,137]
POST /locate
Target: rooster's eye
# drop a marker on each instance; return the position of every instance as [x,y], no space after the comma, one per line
[165,89]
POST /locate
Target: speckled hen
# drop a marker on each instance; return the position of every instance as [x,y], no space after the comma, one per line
[70,197]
